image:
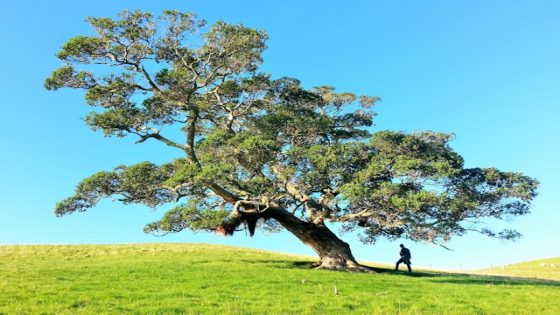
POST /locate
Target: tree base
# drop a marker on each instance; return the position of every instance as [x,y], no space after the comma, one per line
[341,266]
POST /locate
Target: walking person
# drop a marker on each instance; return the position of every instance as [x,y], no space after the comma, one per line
[405,258]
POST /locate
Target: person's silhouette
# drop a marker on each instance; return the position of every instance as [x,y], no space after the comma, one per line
[405,258]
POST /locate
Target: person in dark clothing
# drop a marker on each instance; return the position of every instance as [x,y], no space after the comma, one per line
[405,258]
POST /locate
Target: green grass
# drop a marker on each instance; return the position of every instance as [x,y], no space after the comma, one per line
[208,279]
[542,268]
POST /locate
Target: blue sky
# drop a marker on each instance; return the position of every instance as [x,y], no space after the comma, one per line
[488,71]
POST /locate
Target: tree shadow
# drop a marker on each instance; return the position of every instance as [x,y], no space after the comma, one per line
[492,280]
[303,264]
[287,263]
[438,277]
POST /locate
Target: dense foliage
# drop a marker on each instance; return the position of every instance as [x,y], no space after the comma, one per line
[261,148]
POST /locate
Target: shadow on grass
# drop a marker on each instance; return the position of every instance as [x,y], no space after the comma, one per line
[493,280]
[439,277]
[436,277]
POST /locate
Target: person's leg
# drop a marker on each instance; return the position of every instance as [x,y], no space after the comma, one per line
[398,263]
[407,263]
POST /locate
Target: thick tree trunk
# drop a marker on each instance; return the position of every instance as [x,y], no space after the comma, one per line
[333,252]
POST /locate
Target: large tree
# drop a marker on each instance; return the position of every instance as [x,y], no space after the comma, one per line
[255,152]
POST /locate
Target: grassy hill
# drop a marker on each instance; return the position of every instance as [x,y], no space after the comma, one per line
[209,279]
[542,268]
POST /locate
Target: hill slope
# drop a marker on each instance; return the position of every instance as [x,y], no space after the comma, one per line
[542,268]
[209,279]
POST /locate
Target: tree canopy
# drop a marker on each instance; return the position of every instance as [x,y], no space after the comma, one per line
[258,152]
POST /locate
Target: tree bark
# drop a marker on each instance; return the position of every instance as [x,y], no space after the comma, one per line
[333,252]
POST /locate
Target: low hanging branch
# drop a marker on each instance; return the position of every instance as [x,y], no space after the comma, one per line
[245,211]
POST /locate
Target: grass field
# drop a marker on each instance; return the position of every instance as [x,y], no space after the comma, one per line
[542,268]
[208,279]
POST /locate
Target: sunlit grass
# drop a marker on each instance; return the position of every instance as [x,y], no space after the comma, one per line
[209,279]
[542,268]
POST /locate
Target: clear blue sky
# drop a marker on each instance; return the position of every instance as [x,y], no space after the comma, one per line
[489,71]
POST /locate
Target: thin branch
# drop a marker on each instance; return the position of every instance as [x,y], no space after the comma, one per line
[137,67]
[138,86]
[442,246]
[348,217]
[312,207]
[149,78]
[157,136]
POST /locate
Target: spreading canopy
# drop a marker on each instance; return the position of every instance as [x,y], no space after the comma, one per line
[257,150]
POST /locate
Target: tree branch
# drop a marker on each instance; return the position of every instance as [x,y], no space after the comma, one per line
[348,217]
[138,67]
[191,153]
[191,134]
[314,209]
[149,79]
[161,138]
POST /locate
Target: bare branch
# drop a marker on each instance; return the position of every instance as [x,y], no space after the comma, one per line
[313,208]
[191,134]
[442,246]
[149,79]
[157,136]
[137,67]
[348,217]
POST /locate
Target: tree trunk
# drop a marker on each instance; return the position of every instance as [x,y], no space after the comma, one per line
[333,252]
